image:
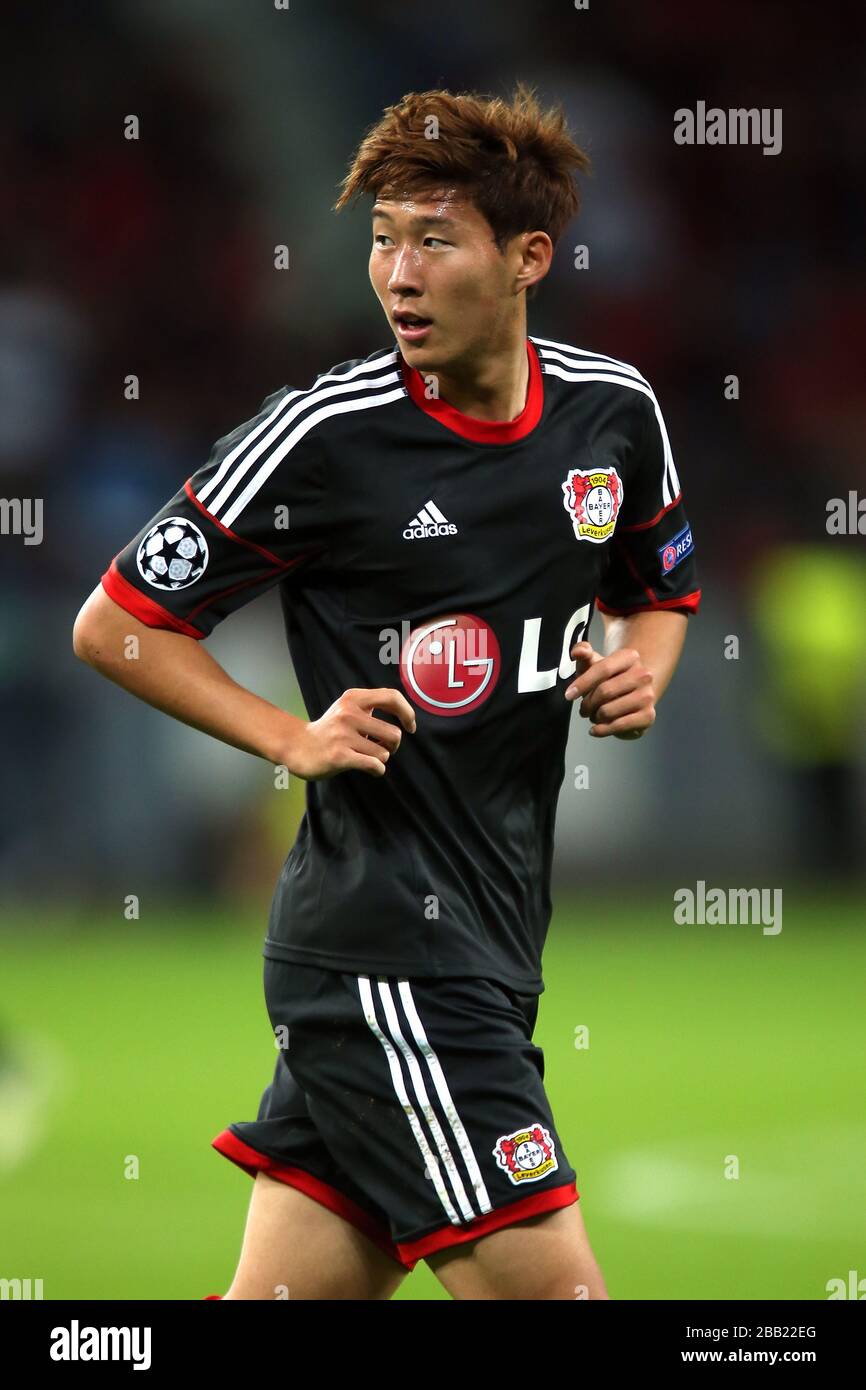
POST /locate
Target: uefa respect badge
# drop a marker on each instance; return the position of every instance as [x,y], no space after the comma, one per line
[592,497]
[676,549]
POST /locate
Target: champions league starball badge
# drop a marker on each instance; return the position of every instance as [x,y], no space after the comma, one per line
[173,554]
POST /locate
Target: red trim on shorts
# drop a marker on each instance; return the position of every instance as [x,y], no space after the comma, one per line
[493,1221]
[336,1201]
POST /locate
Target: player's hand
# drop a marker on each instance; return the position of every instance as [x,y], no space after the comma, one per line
[616,691]
[349,736]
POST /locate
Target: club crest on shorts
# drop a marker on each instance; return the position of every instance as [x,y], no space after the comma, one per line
[527,1154]
[592,497]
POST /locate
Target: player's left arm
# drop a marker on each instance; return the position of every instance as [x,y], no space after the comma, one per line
[647,592]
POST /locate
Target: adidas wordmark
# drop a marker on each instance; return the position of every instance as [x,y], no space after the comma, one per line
[429,522]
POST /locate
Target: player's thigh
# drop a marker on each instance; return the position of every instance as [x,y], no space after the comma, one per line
[294,1247]
[544,1256]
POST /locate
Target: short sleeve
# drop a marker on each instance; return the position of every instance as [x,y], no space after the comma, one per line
[651,555]
[250,517]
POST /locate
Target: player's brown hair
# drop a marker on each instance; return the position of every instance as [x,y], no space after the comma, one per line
[513,160]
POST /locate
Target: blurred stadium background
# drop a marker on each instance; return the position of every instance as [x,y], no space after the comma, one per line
[156,257]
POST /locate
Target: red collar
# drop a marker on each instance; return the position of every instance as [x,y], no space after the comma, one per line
[481,431]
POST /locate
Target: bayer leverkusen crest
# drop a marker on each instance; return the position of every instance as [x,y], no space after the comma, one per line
[526,1154]
[592,497]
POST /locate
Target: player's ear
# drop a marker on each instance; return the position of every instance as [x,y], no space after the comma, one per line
[537,256]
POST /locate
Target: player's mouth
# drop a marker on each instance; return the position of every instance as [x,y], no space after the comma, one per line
[412,327]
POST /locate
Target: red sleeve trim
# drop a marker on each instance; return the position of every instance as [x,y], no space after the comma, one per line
[689,603]
[645,525]
[140,606]
[241,540]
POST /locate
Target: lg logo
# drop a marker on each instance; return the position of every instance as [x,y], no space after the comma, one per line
[529,677]
[452,664]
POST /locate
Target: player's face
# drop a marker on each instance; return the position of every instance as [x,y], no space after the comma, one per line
[434,257]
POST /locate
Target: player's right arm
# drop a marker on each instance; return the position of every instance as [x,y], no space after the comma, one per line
[257,511]
[176,674]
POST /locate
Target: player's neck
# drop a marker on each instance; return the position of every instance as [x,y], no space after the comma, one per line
[495,388]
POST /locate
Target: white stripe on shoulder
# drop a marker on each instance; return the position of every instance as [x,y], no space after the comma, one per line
[275,422]
[670,481]
[565,352]
[277,455]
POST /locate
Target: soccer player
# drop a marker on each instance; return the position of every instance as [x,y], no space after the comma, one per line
[441,517]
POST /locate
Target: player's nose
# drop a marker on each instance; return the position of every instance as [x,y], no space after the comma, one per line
[405,272]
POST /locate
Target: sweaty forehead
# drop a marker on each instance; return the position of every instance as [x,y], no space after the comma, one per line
[442,202]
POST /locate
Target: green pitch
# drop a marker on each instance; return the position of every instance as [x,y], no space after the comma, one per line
[712,1051]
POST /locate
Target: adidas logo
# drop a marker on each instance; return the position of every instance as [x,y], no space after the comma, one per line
[429,522]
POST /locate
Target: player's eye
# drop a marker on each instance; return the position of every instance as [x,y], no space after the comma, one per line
[379,239]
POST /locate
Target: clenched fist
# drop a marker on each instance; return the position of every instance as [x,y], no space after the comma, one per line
[616,691]
[349,736]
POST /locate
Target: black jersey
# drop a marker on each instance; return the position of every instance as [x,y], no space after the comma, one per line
[457,560]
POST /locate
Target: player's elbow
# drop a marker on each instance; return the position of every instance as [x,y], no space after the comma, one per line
[83,638]
[89,631]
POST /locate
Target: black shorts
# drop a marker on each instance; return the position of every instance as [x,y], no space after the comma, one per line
[415,1109]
